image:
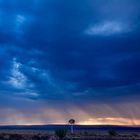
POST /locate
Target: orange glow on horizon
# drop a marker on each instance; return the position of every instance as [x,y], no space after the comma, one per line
[40,116]
[97,121]
[111,121]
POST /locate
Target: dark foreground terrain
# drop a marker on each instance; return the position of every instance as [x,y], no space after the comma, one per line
[15,135]
[80,133]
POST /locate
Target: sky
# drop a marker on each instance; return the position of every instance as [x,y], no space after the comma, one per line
[63,59]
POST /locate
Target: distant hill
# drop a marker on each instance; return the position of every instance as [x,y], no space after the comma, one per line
[76,127]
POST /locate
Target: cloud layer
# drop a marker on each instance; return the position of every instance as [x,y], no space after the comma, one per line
[55,53]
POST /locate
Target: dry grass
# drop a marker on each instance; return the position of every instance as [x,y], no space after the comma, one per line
[78,135]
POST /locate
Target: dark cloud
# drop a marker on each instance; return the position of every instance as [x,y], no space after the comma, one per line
[69,51]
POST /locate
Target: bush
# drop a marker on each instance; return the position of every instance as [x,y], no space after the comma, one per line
[112,133]
[61,133]
[15,137]
[135,135]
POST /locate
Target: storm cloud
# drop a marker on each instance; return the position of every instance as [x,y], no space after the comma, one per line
[69,53]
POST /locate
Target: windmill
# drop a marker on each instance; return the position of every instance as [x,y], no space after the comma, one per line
[72,122]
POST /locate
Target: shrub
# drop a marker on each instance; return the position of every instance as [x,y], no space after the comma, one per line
[15,137]
[134,135]
[61,133]
[112,133]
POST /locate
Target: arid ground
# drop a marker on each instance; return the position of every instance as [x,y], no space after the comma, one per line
[78,135]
